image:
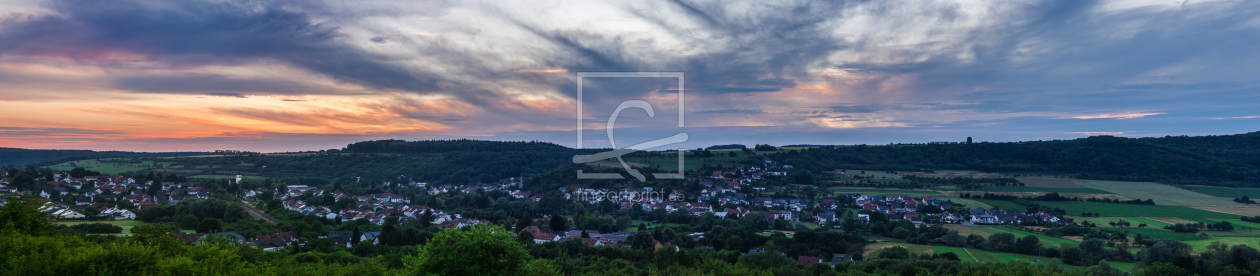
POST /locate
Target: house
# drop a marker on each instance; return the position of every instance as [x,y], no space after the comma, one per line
[370,236]
[115,213]
[837,260]
[67,213]
[984,219]
[545,237]
[807,260]
[780,214]
[230,236]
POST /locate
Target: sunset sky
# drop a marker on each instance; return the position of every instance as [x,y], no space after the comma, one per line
[271,76]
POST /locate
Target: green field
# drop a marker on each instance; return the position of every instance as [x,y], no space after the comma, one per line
[111,166]
[1026,189]
[1161,234]
[1074,208]
[1002,204]
[971,203]
[1201,245]
[972,255]
[870,174]
[1102,222]
[886,192]
[1161,194]
[125,224]
[1226,192]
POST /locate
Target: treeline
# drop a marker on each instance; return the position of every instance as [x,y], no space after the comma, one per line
[1055,197]
[1195,227]
[11,157]
[1216,160]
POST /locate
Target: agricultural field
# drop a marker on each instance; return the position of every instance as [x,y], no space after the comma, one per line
[1249,211]
[1226,192]
[1057,183]
[1028,189]
[884,192]
[1133,210]
[1239,224]
[111,166]
[1161,194]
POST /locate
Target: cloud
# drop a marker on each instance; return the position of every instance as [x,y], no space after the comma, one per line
[1118,116]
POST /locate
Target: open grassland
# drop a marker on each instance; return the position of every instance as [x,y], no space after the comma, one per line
[1160,193]
[1161,234]
[1226,192]
[1050,183]
[1249,211]
[1104,222]
[1201,245]
[1002,204]
[1239,224]
[971,255]
[985,231]
[125,224]
[952,173]
[1133,210]
[884,192]
[1028,189]
[971,204]
[110,166]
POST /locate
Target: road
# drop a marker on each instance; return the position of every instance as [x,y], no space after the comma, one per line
[257,213]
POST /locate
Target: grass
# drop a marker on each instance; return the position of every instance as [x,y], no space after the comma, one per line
[1002,204]
[1239,224]
[1161,234]
[985,231]
[110,166]
[1226,192]
[1026,189]
[1134,210]
[1161,194]
[971,203]
[1133,221]
[871,174]
[1201,245]
[125,224]
[885,192]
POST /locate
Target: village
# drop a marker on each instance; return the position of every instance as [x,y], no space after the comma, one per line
[724,195]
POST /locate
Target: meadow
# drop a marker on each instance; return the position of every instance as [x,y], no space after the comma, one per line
[1103,222]
[1074,208]
[1002,204]
[985,231]
[1161,194]
[1027,189]
[885,192]
[1226,192]
[110,166]
[125,224]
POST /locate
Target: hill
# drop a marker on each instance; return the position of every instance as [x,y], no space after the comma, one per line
[1209,160]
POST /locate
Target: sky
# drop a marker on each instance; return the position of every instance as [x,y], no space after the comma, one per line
[276,76]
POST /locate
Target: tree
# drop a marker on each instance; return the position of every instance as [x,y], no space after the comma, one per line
[1161,269]
[1103,269]
[557,223]
[209,225]
[355,235]
[188,222]
[22,213]
[525,237]
[483,250]
[524,222]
